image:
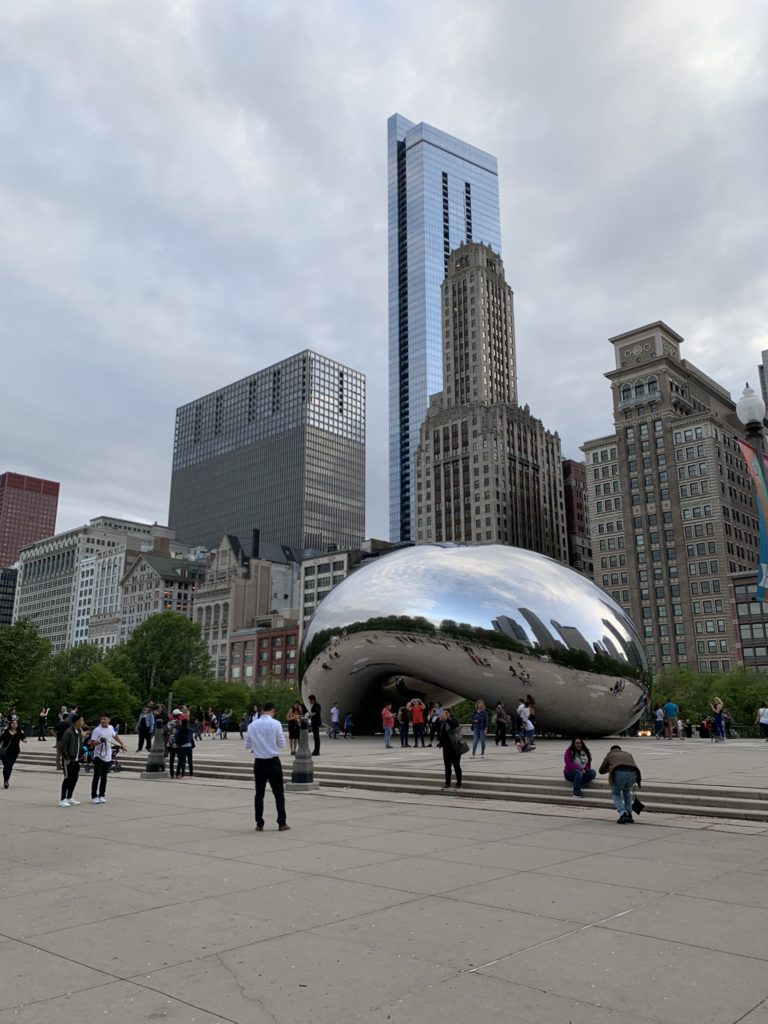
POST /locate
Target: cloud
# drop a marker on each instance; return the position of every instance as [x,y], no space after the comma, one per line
[190,191]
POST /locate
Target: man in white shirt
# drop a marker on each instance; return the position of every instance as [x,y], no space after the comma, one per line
[265,740]
[103,738]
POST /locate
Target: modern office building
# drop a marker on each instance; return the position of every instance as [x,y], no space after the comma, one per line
[27,513]
[671,510]
[281,451]
[61,583]
[486,470]
[577,517]
[750,619]
[7,593]
[442,192]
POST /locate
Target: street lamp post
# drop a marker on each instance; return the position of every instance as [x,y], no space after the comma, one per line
[750,409]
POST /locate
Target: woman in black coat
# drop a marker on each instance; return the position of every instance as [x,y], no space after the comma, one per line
[452,743]
[10,742]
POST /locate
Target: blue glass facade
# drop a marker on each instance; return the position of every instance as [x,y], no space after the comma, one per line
[441,192]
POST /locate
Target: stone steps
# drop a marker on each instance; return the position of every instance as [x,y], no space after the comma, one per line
[660,798]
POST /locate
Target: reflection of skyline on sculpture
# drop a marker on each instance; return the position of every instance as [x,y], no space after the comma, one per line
[510,608]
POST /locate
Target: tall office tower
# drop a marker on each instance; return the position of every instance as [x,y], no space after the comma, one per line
[486,470]
[441,192]
[281,451]
[762,371]
[577,517]
[671,510]
[7,594]
[27,513]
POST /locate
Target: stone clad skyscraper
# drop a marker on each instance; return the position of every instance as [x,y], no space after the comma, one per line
[281,452]
[486,470]
[441,192]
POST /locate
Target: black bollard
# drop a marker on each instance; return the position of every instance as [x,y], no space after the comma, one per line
[303,772]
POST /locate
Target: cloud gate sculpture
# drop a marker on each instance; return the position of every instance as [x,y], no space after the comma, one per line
[448,622]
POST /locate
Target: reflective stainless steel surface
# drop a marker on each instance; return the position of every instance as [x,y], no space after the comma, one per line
[447,622]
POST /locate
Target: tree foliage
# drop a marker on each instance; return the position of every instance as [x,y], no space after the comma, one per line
[163,648]
[740,690]
[24,656]
[99,692]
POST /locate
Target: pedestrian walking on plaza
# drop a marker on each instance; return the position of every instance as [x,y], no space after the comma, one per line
[501,718]
[479,727]
[417,711]
[623,775]
[453,745]
[434,721]
[671,712]
[185,744]
[387,724]
[10,742]
[315,722]
[103,740]
[145,727]
[293,718]
[62,725]
[71,743]
[333,732]
[658,721]
[718,725]
[762,720]
[265,740]
[42,724]
[169,741]
[577,765]
[403,720]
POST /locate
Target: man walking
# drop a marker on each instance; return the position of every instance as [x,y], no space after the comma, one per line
[334,731]
[70,759]
[387,723]
[265,740]
[315,712]
[145,727]
[671,713]
[762,719]
[103,738]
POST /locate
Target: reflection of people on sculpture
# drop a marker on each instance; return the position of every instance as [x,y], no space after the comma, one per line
[453,746]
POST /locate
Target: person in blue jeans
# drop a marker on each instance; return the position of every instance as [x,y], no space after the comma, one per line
[623,775]
[577,765]
[479,727]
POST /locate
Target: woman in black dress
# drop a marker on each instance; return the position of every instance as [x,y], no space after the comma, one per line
[10,742]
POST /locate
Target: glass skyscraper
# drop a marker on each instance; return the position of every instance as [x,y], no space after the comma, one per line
[281,452]
[441,193]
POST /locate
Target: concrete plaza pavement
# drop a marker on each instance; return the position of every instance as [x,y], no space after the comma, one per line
[164,904]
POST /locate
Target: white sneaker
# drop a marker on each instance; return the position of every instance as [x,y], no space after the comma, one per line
[102,799]
[95,800]
[72,800]
[64,803]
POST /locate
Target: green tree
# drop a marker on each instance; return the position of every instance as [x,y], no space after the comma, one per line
[24,658]
[163,648]
[120,664]
[99,692]
[66,669]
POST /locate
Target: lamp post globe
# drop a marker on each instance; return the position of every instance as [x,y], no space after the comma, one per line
[750,409]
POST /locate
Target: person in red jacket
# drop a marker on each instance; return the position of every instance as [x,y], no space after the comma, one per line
[577,765]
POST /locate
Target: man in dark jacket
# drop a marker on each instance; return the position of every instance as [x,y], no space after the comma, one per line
[623,775]
[315,718]
[71,742]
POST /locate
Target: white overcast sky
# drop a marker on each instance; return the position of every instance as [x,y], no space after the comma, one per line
[193,189]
